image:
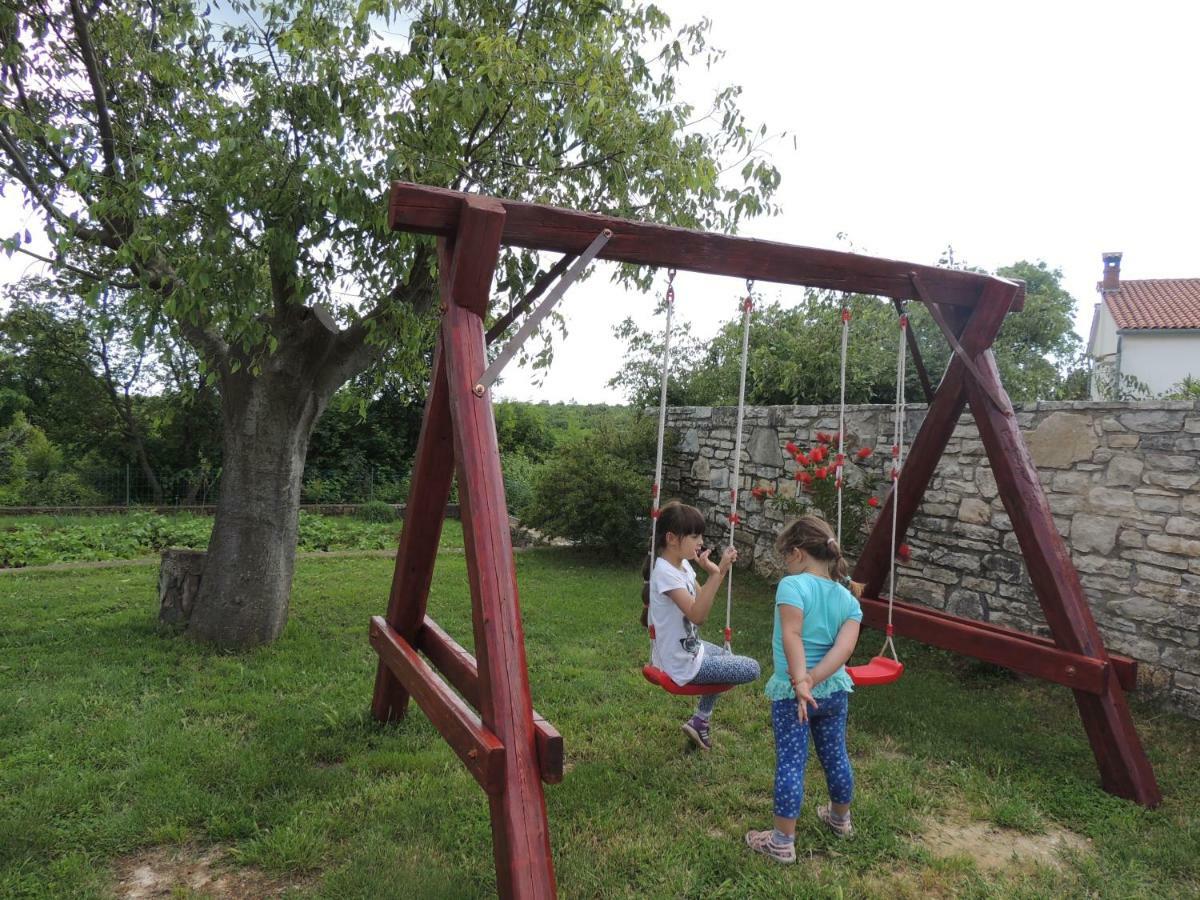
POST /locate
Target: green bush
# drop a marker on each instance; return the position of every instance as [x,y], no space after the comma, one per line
[595,489]
[519,475]
[376,511]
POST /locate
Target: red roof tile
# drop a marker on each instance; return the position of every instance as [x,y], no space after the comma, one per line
[1156,303]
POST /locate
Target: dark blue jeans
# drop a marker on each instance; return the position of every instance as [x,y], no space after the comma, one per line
[828,726]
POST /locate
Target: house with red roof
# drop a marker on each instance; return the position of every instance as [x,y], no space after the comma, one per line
[1148,329]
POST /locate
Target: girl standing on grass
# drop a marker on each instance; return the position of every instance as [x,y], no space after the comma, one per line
[677,608]
[816,628]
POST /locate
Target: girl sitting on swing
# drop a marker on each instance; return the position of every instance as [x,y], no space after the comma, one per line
[678,606]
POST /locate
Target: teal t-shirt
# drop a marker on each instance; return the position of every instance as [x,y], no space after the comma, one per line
[826,606]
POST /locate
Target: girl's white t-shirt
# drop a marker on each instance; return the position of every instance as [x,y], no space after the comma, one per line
[677,647]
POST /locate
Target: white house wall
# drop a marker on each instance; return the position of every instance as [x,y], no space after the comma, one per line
[1160,359]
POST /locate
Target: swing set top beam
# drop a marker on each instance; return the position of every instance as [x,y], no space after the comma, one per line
[429,210]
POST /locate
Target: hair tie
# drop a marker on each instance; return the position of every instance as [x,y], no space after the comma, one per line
[831,542]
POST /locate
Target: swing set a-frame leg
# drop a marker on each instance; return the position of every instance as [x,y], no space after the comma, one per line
[458,433]
[1124,768]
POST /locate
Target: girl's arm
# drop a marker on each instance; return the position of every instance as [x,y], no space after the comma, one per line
[843,646]
[697,609]
[791,626]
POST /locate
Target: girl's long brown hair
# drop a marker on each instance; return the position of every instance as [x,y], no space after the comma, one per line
[677,519]
[813,535]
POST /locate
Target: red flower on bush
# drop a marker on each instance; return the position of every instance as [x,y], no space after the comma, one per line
[904,553]
[823,438]
[817,454]
[804,477]
[864,452]
[791,448]
[801,458]
[873,501]
[821,472]
[758,493]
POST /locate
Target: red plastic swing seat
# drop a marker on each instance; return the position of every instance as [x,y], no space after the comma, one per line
[880,670]
[657,676]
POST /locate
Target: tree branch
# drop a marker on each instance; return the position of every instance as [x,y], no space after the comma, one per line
[539,287]
[108,143]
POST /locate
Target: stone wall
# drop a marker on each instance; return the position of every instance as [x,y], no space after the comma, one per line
[1123,480]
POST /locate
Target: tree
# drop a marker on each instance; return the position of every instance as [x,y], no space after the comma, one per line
[794,352]
[229,175]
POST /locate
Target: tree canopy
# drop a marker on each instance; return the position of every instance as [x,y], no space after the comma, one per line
[795,351]
[220,174]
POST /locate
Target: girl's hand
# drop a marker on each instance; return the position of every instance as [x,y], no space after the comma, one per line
[705,563]
[804,697]
[728,557]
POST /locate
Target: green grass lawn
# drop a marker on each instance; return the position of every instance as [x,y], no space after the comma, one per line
[116,737]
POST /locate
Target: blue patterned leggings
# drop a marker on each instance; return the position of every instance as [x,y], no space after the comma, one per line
[719,667]
[828,726]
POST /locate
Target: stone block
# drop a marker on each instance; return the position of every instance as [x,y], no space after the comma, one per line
[1141,609]
[1094,534]
[1155,500]
[986,482]
[1062,439]
[1162,576]
[1105,565]
[1152,421]
[1124,471]
[1129,537]
[1164,560]
[1192,424]
[1110,500]
[1183,526]
[1173,543]
[690,442]
[1168,462]
[764,447]
[1126,441]
[967,603]
[1071,482]
[1181,659]
[974,512]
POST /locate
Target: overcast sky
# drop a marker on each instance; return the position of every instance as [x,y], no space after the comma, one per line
[1022,130]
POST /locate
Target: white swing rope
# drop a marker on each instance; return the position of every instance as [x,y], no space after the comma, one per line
[897,465]
[662,415]
[747,308]
[840,461]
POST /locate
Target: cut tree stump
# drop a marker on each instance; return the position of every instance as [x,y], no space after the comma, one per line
[178,584]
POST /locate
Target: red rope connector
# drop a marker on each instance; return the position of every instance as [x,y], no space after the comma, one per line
[840,460]
[671,294]
[748,304]
[728,634]
[904,320]
[654,513]
[654,490]
[845,314]
[838,484]
[895,451]
[734,518]
[895,473]
[889,630]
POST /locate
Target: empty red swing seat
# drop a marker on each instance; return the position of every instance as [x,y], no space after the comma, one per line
[657,676]
[880,670]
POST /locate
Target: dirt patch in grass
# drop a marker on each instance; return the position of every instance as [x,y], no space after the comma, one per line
[188,868]
[994,848]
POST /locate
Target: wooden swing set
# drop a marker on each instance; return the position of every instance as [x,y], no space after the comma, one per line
[492,726]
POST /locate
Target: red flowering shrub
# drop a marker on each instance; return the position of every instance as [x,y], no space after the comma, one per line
[904,553]
[816,477]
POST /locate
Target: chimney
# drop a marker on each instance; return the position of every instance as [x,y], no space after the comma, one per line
[1112,272]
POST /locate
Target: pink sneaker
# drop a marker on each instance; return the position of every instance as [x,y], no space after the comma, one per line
[762,842]
[840,827]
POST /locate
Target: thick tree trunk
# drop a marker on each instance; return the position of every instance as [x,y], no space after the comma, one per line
[267,422]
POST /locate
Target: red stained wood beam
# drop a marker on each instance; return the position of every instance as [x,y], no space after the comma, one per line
[1123,667]
[461,670]
[479,749]
[1124,767]
[430,210]
[1002,646]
